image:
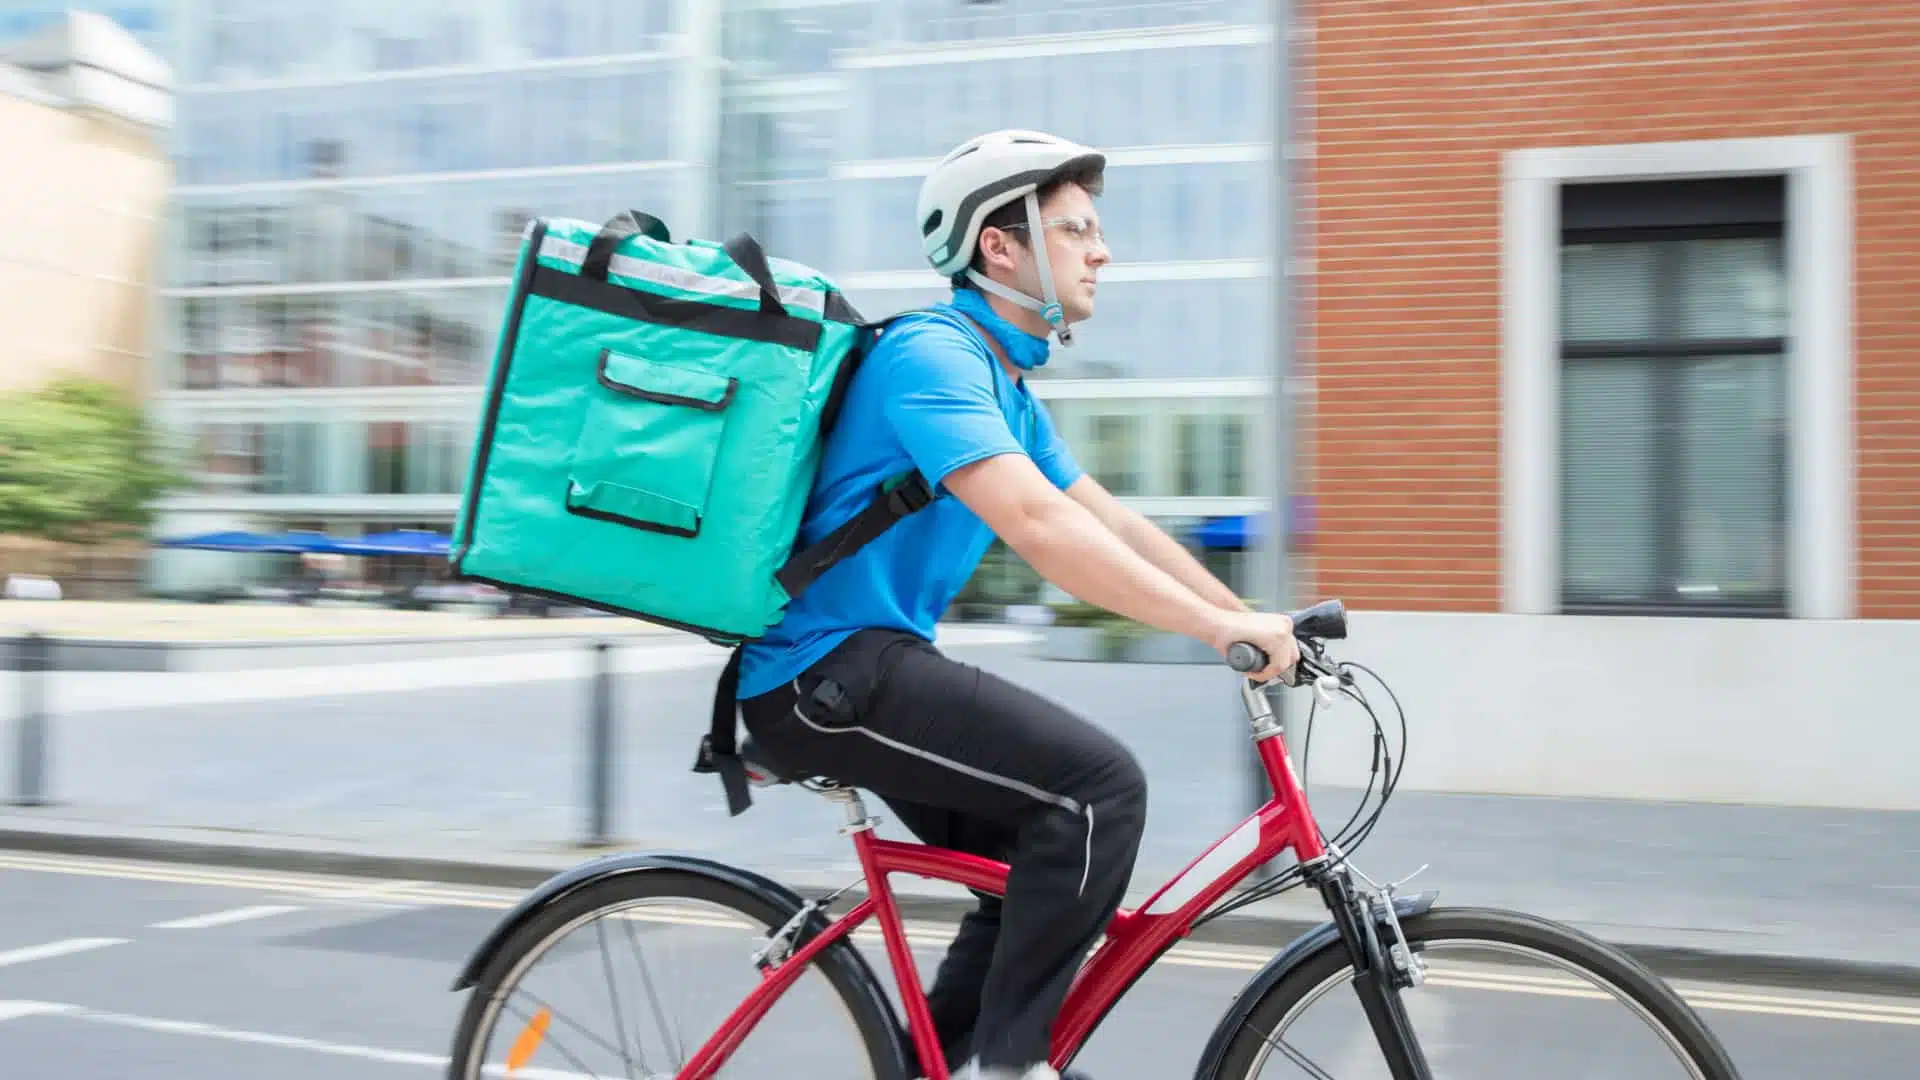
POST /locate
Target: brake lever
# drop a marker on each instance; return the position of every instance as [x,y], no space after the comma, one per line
[1324,689]
[1326,681]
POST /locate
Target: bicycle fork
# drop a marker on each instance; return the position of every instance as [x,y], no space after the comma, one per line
[1380,970]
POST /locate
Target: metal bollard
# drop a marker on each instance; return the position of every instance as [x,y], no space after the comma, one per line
[30,747]
[600,742]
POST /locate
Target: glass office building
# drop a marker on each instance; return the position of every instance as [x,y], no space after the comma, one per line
[353,179]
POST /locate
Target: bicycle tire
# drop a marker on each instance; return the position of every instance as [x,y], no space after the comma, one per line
[1602,963]
[866,1003]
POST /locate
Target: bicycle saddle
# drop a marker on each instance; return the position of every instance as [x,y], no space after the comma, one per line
[764,770]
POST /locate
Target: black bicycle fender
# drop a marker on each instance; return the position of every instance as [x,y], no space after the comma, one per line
[1298,951]
[593,871]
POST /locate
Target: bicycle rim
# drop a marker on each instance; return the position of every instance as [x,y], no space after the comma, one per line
[1488,1009]
[621,1007]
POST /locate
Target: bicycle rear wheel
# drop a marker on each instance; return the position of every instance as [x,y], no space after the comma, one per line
[595,985]
[1528,970]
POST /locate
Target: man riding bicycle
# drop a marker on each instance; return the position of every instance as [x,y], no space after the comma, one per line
[849,684]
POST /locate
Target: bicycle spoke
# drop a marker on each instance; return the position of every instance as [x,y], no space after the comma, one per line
[613,993]
[676,1048]
[1294,1055]
[562,1017]
[508,1006]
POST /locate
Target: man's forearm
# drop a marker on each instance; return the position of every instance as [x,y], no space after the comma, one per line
[1079,553]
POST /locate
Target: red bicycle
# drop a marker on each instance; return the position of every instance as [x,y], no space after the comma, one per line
[1383,945]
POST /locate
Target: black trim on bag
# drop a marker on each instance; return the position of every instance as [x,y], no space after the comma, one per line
[509,338]
[721,638]
[789,330]
[618,229]
[837,308]
[608,381]
[612,518]
[745,252]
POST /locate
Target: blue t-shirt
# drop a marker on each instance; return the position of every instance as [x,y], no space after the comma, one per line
[931,396]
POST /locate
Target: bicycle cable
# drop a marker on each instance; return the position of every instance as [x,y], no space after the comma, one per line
[1355,831]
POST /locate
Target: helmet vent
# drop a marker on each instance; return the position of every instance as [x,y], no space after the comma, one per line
[933,222]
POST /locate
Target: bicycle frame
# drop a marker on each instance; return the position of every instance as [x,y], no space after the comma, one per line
[1135,938]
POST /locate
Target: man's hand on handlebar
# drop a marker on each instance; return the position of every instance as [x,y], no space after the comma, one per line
[1270,633]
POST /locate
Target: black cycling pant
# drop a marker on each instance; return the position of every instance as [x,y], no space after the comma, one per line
[969,761]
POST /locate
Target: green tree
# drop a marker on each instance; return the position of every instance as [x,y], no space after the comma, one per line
[79,462]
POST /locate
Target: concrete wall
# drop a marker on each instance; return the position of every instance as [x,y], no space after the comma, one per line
[1795,712]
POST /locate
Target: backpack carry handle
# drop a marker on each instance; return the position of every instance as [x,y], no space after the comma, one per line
[622,226]
[745,252]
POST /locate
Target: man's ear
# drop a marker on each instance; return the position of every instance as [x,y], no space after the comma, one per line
[998,244]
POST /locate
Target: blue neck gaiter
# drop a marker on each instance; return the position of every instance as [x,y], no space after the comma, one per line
[1026,351]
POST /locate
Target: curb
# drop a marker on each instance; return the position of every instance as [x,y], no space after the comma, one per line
[1270,931]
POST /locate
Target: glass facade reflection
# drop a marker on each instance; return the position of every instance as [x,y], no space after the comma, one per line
[354,179]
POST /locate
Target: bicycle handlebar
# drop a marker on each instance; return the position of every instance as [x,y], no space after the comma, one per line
[1324,621]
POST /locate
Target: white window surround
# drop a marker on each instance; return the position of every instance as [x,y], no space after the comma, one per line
[186,193]
[273,404]
[407,75]
[1122,157]
[1819,244]
[905,54]
[1187,270]
[445,505]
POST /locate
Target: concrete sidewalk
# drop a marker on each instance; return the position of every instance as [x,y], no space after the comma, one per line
[475,770]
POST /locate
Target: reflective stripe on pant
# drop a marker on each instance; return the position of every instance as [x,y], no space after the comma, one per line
[970,761]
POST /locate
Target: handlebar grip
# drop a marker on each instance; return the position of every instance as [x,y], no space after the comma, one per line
[1244,657]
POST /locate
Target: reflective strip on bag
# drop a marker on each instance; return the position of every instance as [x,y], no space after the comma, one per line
[686,281]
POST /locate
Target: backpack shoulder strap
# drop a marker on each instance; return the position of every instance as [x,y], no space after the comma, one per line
[898,498]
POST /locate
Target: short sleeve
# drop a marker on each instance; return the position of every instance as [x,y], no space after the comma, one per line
[939,398]
[1051,453]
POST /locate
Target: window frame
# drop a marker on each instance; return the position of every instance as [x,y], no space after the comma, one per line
[1821,577]
[1666,353]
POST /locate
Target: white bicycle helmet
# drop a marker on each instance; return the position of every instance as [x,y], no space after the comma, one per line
[980,176]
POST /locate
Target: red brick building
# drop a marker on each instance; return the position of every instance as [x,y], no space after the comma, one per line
[1615,306]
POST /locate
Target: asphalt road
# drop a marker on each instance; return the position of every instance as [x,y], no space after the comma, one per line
[123,970]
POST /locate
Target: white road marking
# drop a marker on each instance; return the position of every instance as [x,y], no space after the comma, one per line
[290,1042]
[223,918]
[178,874]
[336,888]
[195,1029]
[13,1010]
[57,948]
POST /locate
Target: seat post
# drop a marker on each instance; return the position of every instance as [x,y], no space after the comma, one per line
[858,819]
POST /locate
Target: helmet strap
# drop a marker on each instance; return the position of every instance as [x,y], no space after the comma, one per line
[1049,309]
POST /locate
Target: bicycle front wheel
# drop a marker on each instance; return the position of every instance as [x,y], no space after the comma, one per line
[630,975]
[1504,995]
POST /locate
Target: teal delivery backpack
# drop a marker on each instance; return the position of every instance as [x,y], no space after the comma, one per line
[652,425]
[651,428]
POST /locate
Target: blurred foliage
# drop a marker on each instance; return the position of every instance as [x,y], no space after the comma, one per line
[79,462]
